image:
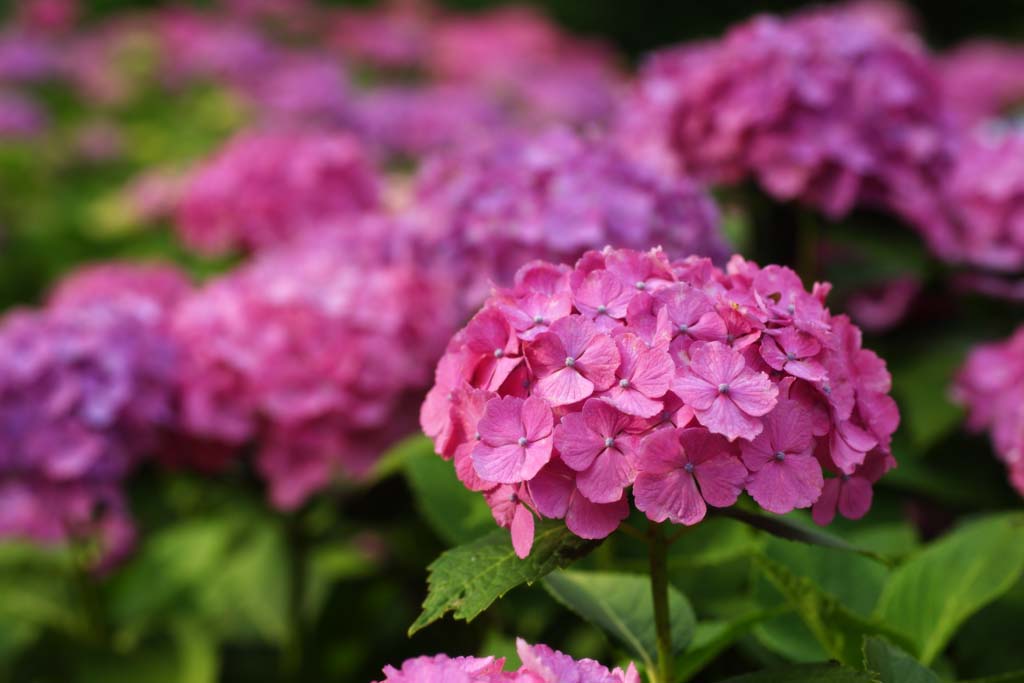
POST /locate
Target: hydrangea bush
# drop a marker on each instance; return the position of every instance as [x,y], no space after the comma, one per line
[689,383]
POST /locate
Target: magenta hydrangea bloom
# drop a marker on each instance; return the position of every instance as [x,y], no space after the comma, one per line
[983,79]
[826,107]
[983,211]
[266,188]
[991,386]
[490,207]
[87,389]
[684,381]
[310,355]
[541,664]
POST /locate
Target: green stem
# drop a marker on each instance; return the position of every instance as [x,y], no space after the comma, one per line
[659,592]
[292,656]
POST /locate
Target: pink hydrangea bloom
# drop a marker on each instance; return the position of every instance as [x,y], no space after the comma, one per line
[826,107]
[87,389]
[394,35]
[684,381]
[783,471]
[983,211]
[150,290]
[310,355]
[684,470]
[991,386]
[523,58]
[541,664]
[983,79]
[490,207]
[265,188]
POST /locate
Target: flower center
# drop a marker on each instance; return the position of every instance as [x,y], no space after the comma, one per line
[477,436]
[730,338]
[723,388]
[688,467]
[790,356]
[826,388]
[569,361]
[780,456]
[684,328]
[498,353]
[845,477]
[523,441]
[791,309]
[538,320]
[602,309]
[641,285]
[609,442]
[624,383]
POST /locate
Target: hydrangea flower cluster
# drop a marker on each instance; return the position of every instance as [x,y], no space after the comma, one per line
[825,107]
[689,383]
[309,356]
[86,390]
[265,188]
[984,201]
[991,386]
[983,79]
[541,664]
[495,205]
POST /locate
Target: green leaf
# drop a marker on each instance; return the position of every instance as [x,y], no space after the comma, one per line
[36,591]
[852,580]
[838,630]
[921,382]
[893,665]
[467,579]
[790,529]
[930,595]
[1011,677]
[185,653]
[711,638]
[807,673]
[394,459]
[621,604]
[456,514]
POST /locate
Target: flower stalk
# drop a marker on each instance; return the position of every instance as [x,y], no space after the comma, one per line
[658,552]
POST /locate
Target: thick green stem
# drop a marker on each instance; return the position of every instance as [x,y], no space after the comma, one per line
[292,656]
[659,592]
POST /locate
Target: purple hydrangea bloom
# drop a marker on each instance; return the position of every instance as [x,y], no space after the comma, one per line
[493,206]
[86,391]
[20,116]
[825,107]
